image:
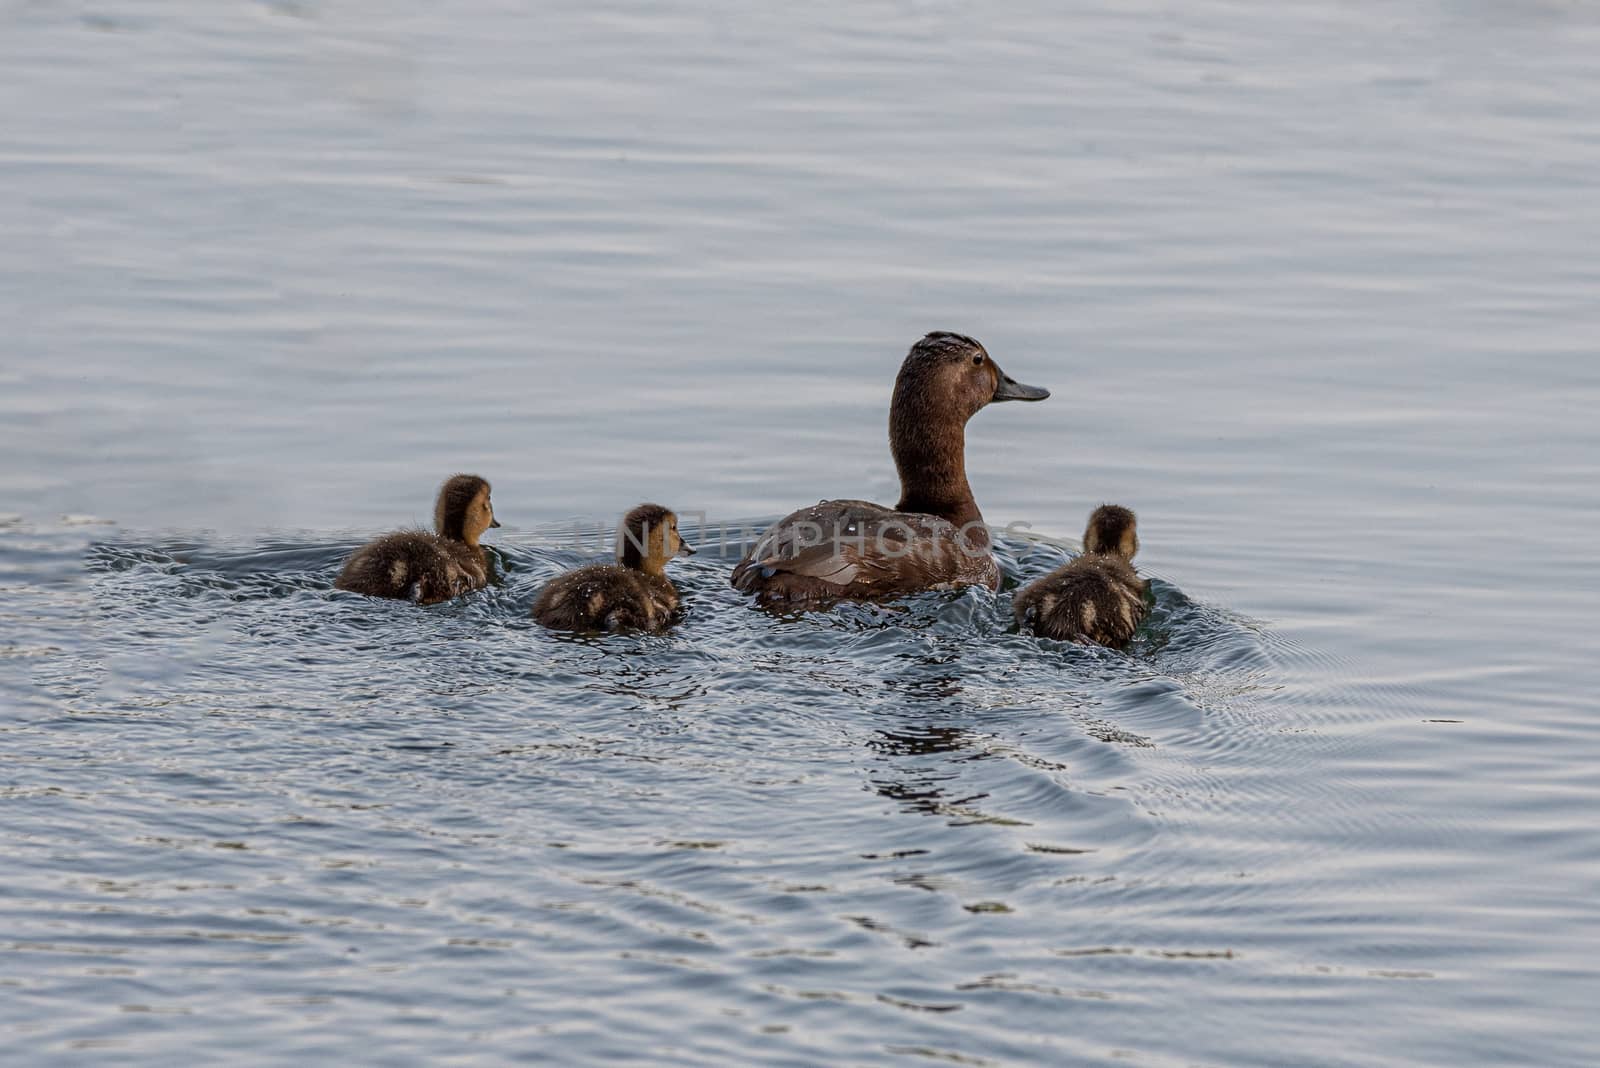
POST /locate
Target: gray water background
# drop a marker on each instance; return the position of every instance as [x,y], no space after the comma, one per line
[1314,286]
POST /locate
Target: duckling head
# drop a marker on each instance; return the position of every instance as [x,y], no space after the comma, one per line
[649,537]
[464,509]
[1112,529]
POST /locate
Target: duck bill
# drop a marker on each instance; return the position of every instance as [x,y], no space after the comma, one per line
[1009,389]
[494,522]
[685,549]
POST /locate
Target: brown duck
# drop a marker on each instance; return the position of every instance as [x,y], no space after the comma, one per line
[935,537]
[632,594]
[1096,598]
[429,568]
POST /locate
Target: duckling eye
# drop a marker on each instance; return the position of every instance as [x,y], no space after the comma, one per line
[977,361]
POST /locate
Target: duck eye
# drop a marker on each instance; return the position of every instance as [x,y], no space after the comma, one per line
[977,361]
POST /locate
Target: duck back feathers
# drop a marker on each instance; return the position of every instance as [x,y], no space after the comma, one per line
[1095,598]
[606,597]
[414,565]
[860,550]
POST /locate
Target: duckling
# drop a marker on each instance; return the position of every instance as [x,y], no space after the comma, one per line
[1096,598]
[429,568]
[935,538]
[632,594]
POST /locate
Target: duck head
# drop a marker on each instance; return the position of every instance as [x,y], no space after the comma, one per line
[944,381]
[464,509]
[954,376]
[649,537]
[1112,529]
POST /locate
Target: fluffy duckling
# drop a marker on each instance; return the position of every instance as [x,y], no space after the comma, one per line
[935,537]
[429,568]
[1096,598]
[632,594]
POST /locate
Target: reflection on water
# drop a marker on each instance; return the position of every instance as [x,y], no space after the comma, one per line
[320,747]
[375,803]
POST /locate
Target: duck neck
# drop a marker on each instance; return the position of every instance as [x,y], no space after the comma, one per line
[931,456]
[652,567]
[469,541]
[454,528]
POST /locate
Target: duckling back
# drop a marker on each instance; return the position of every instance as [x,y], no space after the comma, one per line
[415,566]
[1096,598]
[605,597]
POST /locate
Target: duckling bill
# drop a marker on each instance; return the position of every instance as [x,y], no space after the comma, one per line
[1097,597]
[634,594]
[428,568]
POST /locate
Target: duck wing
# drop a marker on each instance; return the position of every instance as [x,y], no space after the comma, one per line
[856,550]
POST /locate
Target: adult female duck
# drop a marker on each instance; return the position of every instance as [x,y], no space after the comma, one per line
[935,538]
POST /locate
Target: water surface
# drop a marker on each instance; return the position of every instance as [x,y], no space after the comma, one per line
[1314,287]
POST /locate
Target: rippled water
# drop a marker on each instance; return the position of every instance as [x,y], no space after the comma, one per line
[1313,285]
